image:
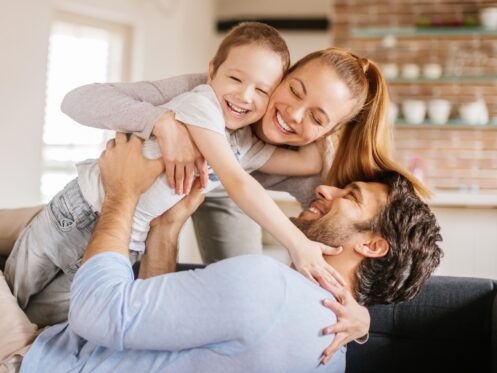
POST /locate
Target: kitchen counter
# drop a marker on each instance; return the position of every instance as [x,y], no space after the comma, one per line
[461,199]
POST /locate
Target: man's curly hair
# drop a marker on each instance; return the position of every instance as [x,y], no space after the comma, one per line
[412,232]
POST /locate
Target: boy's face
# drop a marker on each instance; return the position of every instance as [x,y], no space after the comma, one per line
[244,82]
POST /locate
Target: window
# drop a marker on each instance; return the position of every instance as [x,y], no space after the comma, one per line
[81,51]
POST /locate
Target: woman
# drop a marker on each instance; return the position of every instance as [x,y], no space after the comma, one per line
[362,136]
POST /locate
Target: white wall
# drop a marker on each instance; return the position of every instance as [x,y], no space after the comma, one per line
[299,43]
[174,39]
[24,26]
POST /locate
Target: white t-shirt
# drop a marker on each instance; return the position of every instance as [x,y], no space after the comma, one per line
[199,107]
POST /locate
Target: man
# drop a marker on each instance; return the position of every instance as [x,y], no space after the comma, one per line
[248,313]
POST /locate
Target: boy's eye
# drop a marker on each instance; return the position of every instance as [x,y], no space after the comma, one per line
[262,91]
[235,79]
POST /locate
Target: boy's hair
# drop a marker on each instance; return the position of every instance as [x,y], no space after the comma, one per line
[252,33]
[412,232]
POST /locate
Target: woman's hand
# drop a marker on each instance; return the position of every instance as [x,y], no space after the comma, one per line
[309,261]
[180,154]
[352,320]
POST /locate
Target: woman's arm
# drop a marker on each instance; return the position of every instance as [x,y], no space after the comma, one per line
[126,107]
[305,161]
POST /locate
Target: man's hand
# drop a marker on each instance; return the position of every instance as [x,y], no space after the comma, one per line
[124,169]
[180,154]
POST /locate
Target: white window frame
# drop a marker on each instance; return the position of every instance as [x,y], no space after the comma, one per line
[118,70]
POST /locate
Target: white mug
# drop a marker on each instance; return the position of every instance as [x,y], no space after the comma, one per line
[432,71]
[488,18]
[474,113]
[439,111]
[410,71]
[414,111]
[390,70]
[393,112]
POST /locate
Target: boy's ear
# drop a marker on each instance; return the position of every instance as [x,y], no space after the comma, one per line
[210,72]
[377,247]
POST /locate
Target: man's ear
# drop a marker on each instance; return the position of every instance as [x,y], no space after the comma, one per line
[210,74]
[377,247]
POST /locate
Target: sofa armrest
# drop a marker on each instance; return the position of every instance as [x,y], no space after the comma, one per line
[449,326]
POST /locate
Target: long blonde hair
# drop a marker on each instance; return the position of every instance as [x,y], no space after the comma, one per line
[363,143]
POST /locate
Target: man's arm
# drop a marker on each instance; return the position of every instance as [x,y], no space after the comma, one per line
[202,308]
[162,242]
[126,174]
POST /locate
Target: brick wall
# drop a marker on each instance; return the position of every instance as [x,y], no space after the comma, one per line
[451,158]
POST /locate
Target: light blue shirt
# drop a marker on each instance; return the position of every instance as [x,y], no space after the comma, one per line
[244,314]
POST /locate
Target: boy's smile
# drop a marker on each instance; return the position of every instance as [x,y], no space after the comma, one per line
[244,82]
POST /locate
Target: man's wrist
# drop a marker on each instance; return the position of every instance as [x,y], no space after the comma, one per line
[122,196]
[161,253]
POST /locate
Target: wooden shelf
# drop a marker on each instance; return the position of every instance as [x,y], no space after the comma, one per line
[453,124]
[482,79]
[413,32]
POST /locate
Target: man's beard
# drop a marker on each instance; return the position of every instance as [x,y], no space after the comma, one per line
[327,230]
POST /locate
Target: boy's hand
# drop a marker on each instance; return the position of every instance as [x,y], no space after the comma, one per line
[308,260]
[124,169]
[180,154]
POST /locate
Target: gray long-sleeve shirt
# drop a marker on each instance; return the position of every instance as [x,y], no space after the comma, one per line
[134,107]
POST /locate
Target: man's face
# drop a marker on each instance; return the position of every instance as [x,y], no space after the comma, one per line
[334,216]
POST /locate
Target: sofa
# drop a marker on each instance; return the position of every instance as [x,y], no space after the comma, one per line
[451,326]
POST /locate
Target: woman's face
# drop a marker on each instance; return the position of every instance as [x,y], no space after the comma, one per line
[306,106]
